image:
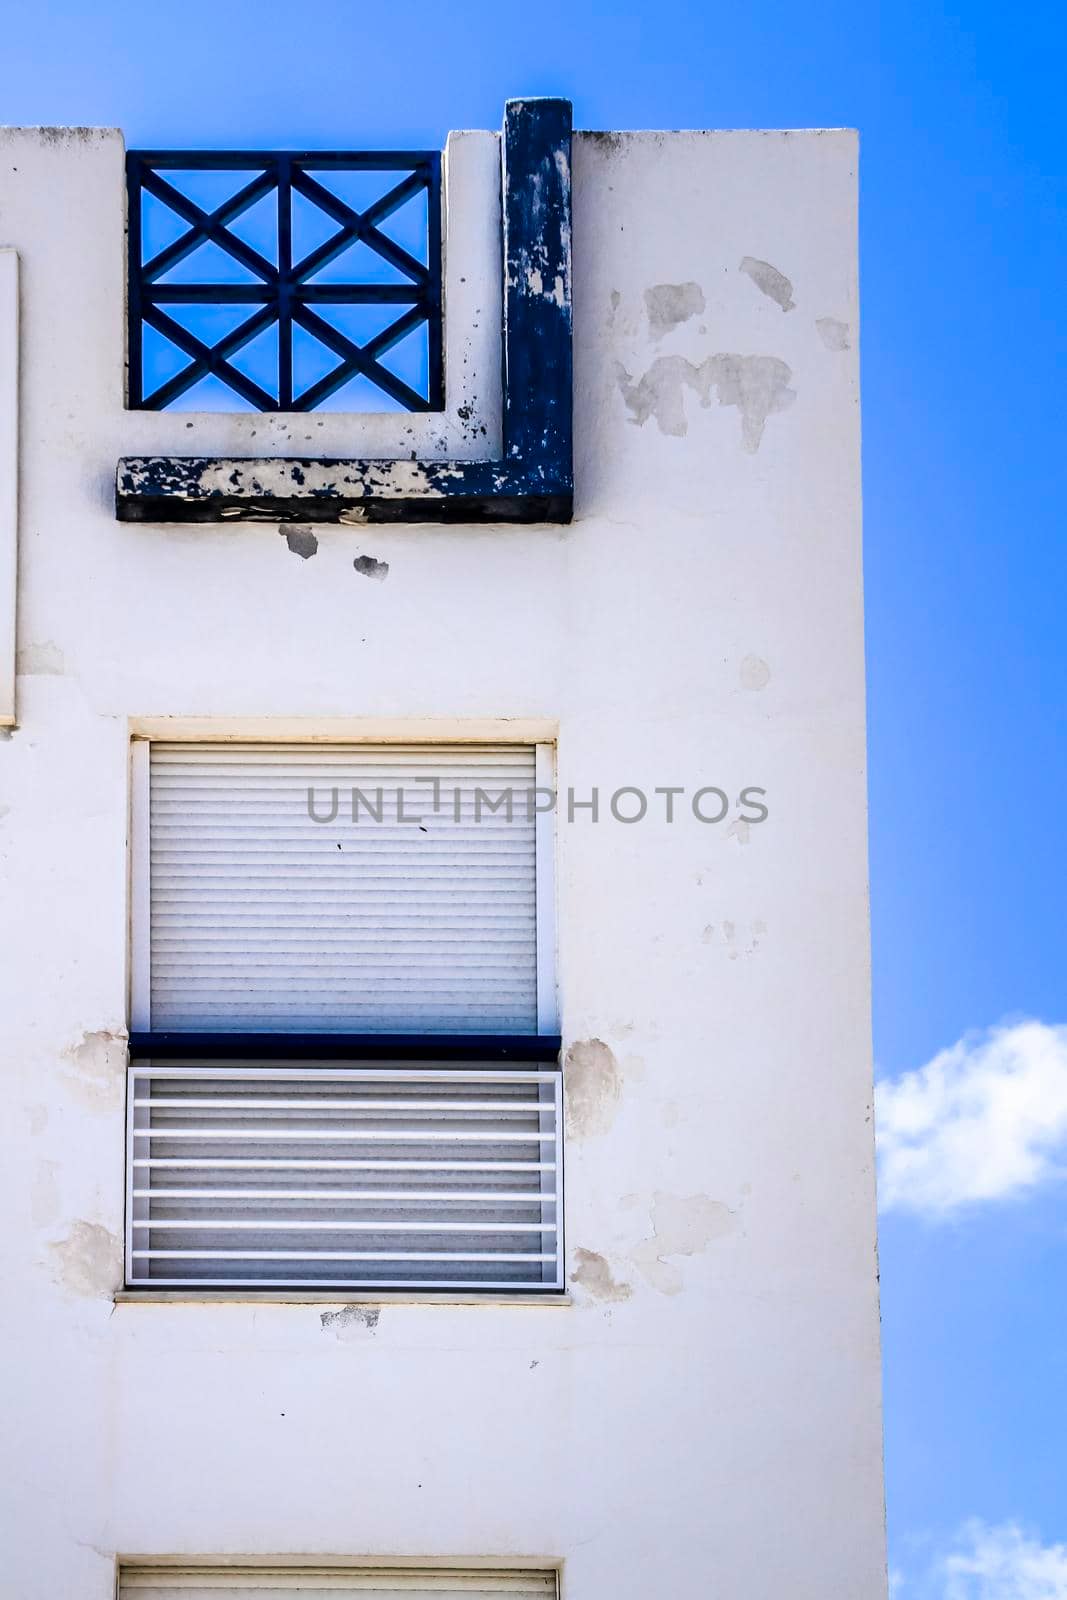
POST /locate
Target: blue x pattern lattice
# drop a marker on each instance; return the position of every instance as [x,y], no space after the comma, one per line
[244,276]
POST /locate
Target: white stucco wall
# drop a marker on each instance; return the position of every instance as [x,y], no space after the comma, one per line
[703,1417]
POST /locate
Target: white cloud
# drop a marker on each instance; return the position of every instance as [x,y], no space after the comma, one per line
[983,1120]
[1001,1563]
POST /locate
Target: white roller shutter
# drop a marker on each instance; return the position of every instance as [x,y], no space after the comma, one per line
[325,1583]
[316,1175]
[262,918]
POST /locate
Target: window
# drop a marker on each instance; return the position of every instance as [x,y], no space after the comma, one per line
[343,888]
[325,1583]
[344,1068]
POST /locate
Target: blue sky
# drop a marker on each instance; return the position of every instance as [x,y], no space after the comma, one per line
[960,114]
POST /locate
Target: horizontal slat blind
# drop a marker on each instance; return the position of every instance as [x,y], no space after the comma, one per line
[315,1175]
[166,1583]
[265,919]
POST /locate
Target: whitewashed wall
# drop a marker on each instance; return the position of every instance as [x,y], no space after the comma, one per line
[703,1417]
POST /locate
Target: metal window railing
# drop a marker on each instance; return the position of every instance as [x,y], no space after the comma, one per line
[266,280]
[316,1175]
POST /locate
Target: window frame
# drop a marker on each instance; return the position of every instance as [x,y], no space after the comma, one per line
[537,1052]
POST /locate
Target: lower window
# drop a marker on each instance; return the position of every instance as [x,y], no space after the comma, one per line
[324,1176]
[218,1583]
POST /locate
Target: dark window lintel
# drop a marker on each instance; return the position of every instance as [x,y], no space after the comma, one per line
[517,1049]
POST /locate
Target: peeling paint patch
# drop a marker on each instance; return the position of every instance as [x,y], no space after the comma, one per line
[351,1322]
[591,1084]
[98,1067]
[682,1225]
[89,1260]
[592,1273]
[757,385]
[734,941]
[536,285]
[833,334]
[774,284]
[40,660]
[755,673]
[368,567]
[301,541]
[668,304]
[659,393]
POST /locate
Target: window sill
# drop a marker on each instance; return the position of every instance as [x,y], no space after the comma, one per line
[320,1297]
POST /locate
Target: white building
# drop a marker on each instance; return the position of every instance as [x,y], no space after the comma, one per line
[282,1328]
